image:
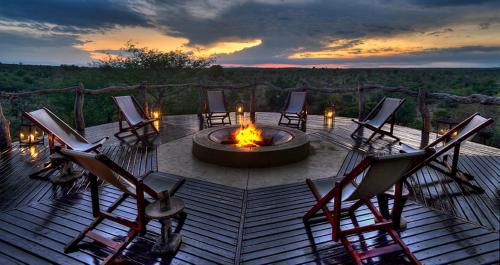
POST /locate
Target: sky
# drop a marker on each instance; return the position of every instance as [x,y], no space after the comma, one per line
[257,33]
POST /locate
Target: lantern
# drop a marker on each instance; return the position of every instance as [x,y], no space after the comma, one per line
[444,126]
[29,134]
[239,108]
[155,113]
[329,115]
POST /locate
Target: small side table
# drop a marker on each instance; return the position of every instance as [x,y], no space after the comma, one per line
[163,210]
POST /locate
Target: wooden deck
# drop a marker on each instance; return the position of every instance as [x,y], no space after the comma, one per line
[232,226]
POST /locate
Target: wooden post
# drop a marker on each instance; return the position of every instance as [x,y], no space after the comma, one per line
[201,121]
[79,119]
[145,95]
[5,139]
[426,117]
[361,103]
[252,103]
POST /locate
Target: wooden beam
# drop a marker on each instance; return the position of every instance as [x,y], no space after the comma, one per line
[426,118]
[79,118]
[361,104]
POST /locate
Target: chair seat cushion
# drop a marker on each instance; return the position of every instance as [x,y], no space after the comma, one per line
[160,182]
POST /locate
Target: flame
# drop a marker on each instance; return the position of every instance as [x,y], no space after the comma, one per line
[248,136]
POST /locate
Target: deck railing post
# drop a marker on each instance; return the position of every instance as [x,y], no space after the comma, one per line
[252,103]
[79,97]
[5,139]
[361,103]
[202,107]
[426,117]
[144,87]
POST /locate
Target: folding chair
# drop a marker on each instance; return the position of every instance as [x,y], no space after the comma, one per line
[451,142]
[130,111]
[383,112]
[154,184]
[373,176]
[59,131]
[294,113]
[215,109]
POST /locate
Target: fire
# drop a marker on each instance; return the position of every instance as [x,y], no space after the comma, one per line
[248,136]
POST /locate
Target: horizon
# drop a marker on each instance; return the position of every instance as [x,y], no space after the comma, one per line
[258,33]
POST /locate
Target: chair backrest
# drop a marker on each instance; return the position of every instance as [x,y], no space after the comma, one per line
[51,124]
[296,102]
[381,174]
[133,113]
[215,101]
[466,132]
[102,167]
[389,106]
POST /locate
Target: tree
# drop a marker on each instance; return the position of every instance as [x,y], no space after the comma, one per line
[133,57]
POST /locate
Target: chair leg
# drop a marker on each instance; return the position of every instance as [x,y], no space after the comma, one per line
[371,136]
[355,131]
[383,205]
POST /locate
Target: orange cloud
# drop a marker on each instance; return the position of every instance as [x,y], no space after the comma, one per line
[461,35]
[97,43]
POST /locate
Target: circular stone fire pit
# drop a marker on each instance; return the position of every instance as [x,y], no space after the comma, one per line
[283,146]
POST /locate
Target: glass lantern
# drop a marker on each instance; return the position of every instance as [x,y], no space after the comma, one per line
[239,108]
[29,134]
[155,113]
[329,115]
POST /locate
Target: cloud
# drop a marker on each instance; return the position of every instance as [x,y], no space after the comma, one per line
[264,32]
[45,49]
[74,14]
[441,3]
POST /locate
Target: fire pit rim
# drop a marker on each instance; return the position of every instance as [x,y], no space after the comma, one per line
[262,156]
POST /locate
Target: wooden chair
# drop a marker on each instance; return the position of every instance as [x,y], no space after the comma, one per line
[130,111]
[153,184]
[371,177]
[59,131]
[294,114]
[383,112]
[216,112]
[450,147]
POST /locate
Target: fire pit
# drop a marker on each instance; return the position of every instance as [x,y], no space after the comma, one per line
[264,146]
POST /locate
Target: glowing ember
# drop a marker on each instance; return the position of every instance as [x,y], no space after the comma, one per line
[248,136]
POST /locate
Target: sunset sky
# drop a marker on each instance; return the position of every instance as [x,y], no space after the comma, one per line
[258,33]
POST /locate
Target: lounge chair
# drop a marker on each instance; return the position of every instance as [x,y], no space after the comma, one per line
[383,112]
[373,176]
[153,184]
[215,109]
[130,111]
[58,131]
[451,142]
[294,113]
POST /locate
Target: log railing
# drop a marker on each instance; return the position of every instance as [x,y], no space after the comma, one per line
[80,91]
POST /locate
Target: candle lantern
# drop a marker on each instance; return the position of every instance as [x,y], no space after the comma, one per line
[29,134]
[329,115]
[444,126]
[155,113]
[239,108]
